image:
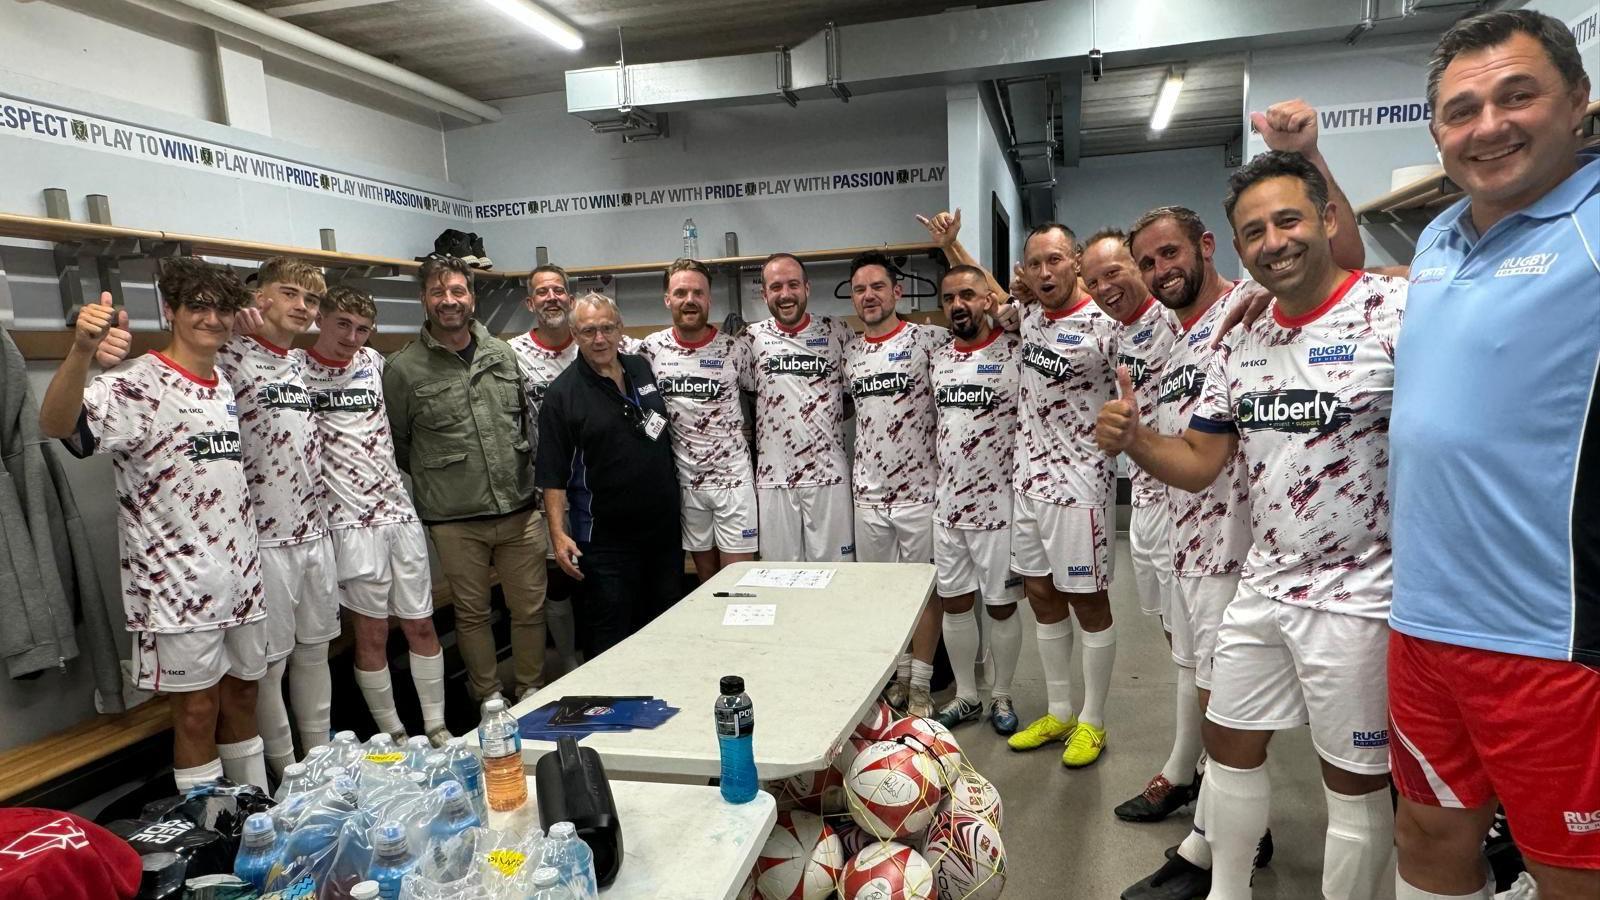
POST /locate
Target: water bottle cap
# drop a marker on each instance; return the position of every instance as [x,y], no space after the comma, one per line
[563,830]
[495,705]
[344,736]
[366,890]
[336,773]
[319,751]
[417,777]
[258,823]
[450,790]
[294,770]
[390,837]
[382,740]
[546,876]
[456,742]
[418,741]
[436,758]
[732,684]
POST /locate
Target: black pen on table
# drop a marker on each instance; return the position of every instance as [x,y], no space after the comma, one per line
[731,594]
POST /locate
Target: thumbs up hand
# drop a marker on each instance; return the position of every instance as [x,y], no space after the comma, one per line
[1118,424]
[117,342]
[93,323]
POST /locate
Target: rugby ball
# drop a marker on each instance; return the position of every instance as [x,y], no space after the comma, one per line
[968,859]
[893,789]
[821,791]
[887,871]
[801,860]
[932,738]
[974,795]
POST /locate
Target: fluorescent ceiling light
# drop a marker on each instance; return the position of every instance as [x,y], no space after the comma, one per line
[1170,89]
[541,21]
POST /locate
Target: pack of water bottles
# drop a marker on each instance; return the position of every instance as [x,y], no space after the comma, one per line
[410,819]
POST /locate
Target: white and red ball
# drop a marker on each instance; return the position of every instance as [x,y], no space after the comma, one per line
[801,860]
[822,791]
[747,891]
[967,856]
[887,871]
[932,738]
[893,789]
[852,837]
[880,716]
[974,795]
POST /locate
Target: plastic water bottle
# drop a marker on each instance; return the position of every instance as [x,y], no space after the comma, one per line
[691,240]
[317,762]
[501,741]
[258,850]
[366,890]
[392,858]
[436,766]
[295,781]
[345,788]
[565,852]
[346,747]
[547,885]
[468,769]
[457,814]
[416,749]
[736,725]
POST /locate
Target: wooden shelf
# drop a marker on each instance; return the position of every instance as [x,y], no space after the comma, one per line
[30,765]
[1433,192]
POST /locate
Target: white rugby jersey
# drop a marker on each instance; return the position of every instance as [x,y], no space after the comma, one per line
[1309,398]
[361,481]
[1209,531]
[539,363]
[975,391]
[1142,345]
[1068,373]
[700,384]
[184,517]
[282,452]
[894,461]
[799,385]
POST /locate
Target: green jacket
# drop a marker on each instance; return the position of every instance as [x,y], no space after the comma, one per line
[459,429]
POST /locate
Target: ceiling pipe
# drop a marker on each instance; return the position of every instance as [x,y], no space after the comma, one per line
[300,45]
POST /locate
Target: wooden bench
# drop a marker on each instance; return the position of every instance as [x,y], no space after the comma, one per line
[31,765]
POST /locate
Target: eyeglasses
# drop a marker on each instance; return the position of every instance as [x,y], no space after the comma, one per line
[588,332]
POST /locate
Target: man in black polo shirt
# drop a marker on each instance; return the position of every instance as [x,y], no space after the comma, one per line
[605,458]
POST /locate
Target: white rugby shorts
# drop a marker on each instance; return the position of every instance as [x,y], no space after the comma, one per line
[383,570]
[970,560]
[894,534]
[1071,544]
[719,519]
[301,586]
[179,663]
[806,524]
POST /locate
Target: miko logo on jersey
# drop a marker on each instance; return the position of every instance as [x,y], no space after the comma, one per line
[689,387]
[284,396]
[881,384]
[1336,353]
[1300,411]
[807,366]
[964,396]
[346,400]
[1531,264]
[1185,381]
[209,445]
[1050,365]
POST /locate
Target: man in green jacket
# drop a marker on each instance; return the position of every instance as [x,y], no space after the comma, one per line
[456,406]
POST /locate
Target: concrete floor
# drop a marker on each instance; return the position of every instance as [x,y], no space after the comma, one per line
[1062,840]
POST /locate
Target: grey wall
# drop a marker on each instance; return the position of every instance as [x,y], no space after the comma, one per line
[979,172]
[1115,190]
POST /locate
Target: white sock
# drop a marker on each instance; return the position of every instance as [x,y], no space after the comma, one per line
[1099,653]
[1359,840]
[558,621]
[311,693]
[272,718]
[1236,817]
[1055,652]
[1185,756]
[902,667]
[1404,891]
[243,763]
[427,673]
[197,775]
[921,675]
[1005,645]
[961,643]
[379,693]
[1194,847]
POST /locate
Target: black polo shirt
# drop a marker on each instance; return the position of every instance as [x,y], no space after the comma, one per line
[622,486]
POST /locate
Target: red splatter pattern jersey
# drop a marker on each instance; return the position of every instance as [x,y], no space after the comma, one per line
[361,481]
[888,379]
[184,515]
[1143,346]
[800,391]
[975,391]
[700,383]
[540,363]
[1068,373]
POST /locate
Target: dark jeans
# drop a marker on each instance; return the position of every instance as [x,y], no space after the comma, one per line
[622,591]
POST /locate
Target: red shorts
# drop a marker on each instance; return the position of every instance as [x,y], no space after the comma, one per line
[1472,726]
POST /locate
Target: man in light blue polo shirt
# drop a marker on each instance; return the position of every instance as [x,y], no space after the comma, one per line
[1494,667]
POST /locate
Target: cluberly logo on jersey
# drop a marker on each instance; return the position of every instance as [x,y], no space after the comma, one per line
[1335,353]
[1185,381]
[284,396]
[1044,362]
[964,396]
[710,363]
[1379,738]
[809,366]
[881,384]
[1196,337]
[689,387]
[1531,264]
[1137,367]
[214,445]
[346,400]
[1300,410]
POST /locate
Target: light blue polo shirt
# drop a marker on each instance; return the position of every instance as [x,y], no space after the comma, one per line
[1495,437]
